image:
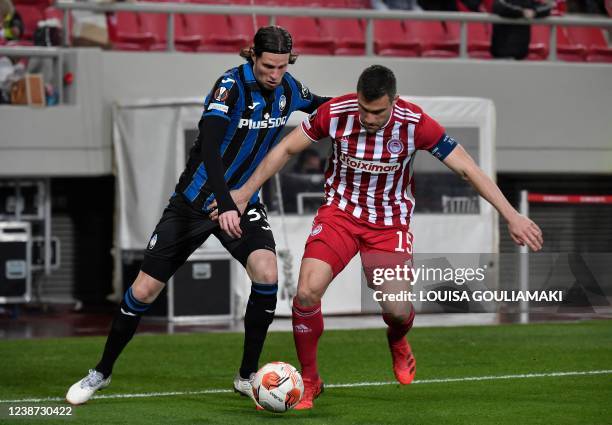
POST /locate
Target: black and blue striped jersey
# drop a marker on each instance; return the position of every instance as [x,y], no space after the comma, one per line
[255,118]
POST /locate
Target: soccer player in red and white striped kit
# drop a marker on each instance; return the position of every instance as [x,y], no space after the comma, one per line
[369,202]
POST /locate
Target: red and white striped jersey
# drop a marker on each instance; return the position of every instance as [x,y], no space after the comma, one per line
[370,175]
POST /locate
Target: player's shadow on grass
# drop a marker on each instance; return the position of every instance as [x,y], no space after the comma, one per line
[242,410]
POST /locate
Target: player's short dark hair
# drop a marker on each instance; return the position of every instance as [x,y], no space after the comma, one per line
[375,82]
[271,39]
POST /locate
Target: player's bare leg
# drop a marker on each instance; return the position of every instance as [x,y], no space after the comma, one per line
[136,301]
[315,277]
[399,316]
[261,268]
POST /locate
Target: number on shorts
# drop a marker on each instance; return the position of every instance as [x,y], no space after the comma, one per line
[256,216]
[403,245]
[254,213]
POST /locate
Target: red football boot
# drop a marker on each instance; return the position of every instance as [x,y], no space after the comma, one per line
[312,390]
[404,363]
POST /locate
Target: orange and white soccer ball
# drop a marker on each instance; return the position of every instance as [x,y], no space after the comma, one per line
[278,387]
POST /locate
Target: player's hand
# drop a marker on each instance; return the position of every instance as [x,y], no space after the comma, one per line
[524,231]
[230,223]
[239,200]
[529,13]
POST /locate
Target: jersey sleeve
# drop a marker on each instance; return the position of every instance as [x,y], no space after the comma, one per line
[428,132]
[306,100]
[316,125]
[431,136]
[222,98]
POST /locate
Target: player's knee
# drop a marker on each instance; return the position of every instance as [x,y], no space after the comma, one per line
[146,289]
[269,276]
[398,314]
[398,317]
[266,275]
[143,293]
[307,297]
[263,269]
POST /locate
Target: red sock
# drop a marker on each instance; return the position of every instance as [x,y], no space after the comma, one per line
[307,329]
[398,329]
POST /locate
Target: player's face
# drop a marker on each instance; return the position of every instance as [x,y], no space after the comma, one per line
[375,114]
[270,68]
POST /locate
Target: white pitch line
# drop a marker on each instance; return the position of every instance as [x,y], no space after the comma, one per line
[351,385]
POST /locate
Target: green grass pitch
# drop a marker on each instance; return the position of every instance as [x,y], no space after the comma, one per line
[201,362]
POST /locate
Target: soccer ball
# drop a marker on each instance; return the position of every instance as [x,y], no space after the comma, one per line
[278,387]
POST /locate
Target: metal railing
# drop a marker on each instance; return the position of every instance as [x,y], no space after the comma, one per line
[368,14]
[56,53]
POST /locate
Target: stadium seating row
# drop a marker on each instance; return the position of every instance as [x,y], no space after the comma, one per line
[135,31]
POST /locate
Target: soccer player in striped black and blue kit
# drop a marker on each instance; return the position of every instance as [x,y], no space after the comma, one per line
[243,117]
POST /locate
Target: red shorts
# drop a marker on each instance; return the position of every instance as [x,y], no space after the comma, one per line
[336,237]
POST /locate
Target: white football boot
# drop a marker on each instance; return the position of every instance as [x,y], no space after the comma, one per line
[82,391]
[244,386]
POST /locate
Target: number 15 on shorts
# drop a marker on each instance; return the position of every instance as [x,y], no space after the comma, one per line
[404,242]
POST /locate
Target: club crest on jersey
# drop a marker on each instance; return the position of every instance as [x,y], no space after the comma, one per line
[373,167]
[153,241]
[305,92]
[395,146]
[221,94]
[282,102]
[316,230]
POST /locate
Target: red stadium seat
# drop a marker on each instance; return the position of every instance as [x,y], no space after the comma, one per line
[127,32]
[479,40]
[540,41]
[594,41]
[437,40]
[185,39]
[390,39]
[216,33]
[358,4]
[347,33]
[335,4]
[307,37]
[156,24]
[31,13]
[246,26]
[42,4]
[195,32]
[296,3]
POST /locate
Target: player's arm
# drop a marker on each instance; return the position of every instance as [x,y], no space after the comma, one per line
[309,102]
[212,130]
[293,143]
[315,103]
[213,126]
[521,228]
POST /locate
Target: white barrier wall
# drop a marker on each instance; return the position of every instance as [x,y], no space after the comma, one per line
[553,117]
